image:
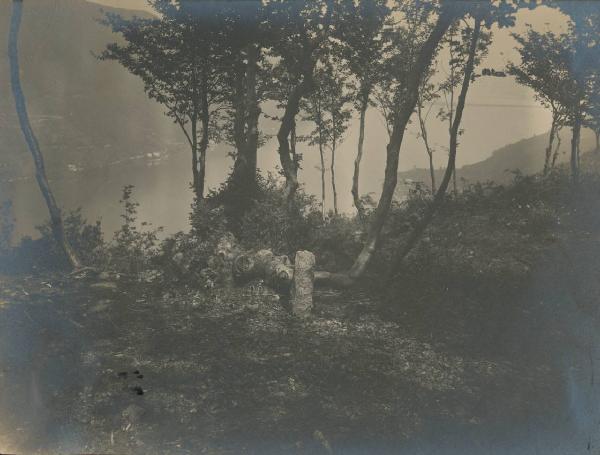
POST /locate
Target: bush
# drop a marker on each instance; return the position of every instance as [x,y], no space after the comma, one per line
[132,249]
[270,223]
[43,254]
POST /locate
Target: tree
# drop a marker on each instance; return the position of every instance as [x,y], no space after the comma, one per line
[56,219]
[407,97]
[458,42]
[327,108]
[475,42]
[592,119]
[582,52]
[299,31]
[180,61]
[362,47]
[315,112]
[428,94]
[246,73]
[544,67]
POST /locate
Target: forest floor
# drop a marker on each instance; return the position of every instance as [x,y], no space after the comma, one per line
[492,347]
[93,368]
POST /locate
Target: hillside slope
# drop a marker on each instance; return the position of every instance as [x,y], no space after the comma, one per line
[526,156]
[97,129]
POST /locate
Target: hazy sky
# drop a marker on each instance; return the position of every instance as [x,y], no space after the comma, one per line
[498,112]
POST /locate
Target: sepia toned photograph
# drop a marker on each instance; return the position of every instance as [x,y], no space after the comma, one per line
[305,227]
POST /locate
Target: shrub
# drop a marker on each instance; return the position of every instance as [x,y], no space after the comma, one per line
[43,254]
[132,249]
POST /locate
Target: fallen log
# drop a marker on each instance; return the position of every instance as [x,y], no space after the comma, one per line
[276,271]
[297,279]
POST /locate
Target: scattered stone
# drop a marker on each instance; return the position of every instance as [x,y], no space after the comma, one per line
[302,285]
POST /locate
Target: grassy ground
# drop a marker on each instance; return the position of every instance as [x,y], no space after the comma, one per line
[487,337]
[231,373]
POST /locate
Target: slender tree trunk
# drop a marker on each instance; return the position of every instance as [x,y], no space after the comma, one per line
[253,115]
[454,185]
[202,156]
[322,154]
[576,131]
[38,159]
[597,134]
[425,138]
[195,162]
[204,140]
[333,188]
[432,173]
[550,147]
[557,148]
[439,195]
[361,138]
[424,59]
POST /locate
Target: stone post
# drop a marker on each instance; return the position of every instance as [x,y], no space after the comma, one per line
[302,285]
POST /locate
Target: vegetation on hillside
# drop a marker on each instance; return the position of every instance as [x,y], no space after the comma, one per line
[425,304]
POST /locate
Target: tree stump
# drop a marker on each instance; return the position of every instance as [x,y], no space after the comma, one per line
[303,283]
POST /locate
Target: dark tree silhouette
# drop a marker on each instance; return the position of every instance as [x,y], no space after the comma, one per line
[545,67]
[179,58]
[299,31]
[328,108]
[362,46]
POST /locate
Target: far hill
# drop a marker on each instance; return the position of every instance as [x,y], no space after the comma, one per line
[525,156]
[97,129]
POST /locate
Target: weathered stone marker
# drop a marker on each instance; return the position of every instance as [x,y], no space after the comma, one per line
[302,284]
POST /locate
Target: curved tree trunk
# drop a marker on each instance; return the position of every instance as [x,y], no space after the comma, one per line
[550,147]
[288,122]
[424,59]
[557,148]
[32,143]
[425,138]
[361,139]
[450,168]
